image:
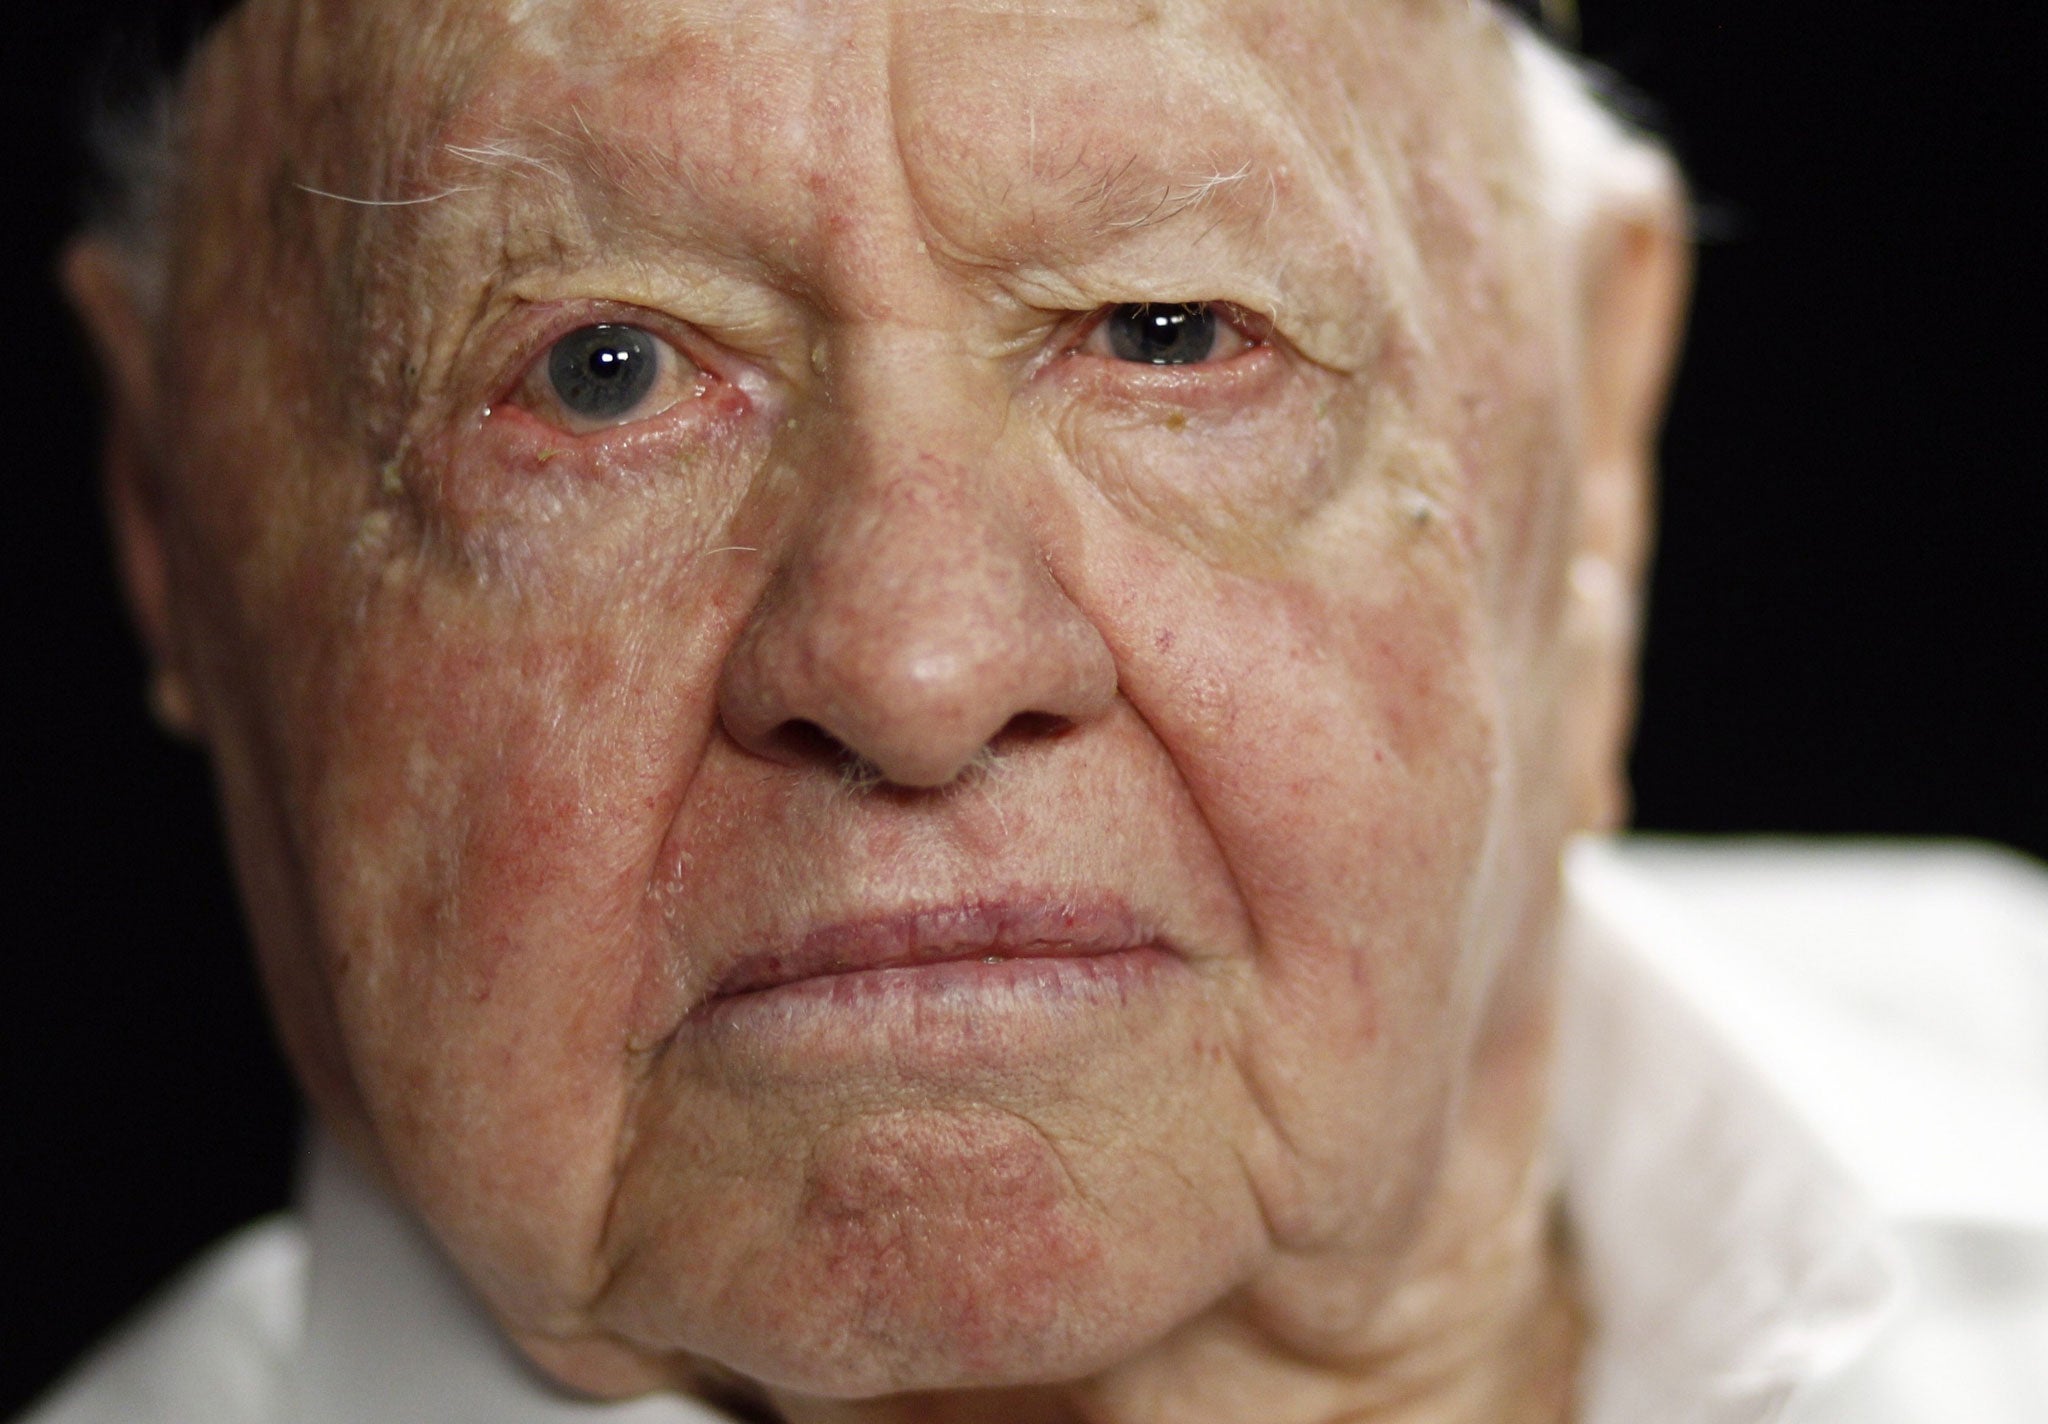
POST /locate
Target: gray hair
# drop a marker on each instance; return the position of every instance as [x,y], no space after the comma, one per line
[136,149]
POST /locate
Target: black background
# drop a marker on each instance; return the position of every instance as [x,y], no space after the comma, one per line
[1846,625]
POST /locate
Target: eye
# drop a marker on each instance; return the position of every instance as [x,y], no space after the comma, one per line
[1165,334]
[602,376]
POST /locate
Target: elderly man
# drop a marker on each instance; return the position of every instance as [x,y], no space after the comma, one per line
[899,688]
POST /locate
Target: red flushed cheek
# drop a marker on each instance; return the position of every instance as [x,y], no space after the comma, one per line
[1336,729]
[1408,661]
[490,803]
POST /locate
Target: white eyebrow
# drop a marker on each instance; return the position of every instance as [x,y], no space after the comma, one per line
[1183,197]
[503,153]
[380,202]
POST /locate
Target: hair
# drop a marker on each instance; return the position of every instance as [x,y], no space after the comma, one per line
[133,130]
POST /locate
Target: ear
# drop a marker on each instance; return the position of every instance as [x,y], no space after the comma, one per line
[100,283]
[1631,265]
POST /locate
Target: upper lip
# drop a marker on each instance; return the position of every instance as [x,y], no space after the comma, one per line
[1007,928]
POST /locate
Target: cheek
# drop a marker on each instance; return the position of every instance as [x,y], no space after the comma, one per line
[1340,705]
[486,809]
[1353,791]
[1338,731]
[483,781]
[523,670]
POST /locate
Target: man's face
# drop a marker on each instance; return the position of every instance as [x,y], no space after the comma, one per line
[966,822]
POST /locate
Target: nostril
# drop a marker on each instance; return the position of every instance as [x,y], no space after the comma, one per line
[805,742]
[1028,727]
[802,742]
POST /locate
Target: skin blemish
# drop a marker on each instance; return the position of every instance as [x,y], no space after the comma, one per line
[373,534]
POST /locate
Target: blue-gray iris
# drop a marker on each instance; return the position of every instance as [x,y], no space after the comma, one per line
[602,372]
[1163,334]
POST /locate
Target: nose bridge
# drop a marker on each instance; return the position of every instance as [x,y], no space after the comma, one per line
[912,561]
[908,512]
[913,619]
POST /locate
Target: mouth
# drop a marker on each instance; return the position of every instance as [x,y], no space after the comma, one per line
[955,945]
[951,993]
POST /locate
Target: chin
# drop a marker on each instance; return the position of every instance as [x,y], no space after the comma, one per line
[971,1261]
[964,1325]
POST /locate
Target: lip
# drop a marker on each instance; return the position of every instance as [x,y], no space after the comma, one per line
[1013,932]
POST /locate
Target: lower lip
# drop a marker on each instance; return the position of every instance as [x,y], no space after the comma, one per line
[936,1008]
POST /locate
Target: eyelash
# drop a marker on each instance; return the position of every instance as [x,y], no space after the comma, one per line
[666,374]
[681,379]
[1096,338]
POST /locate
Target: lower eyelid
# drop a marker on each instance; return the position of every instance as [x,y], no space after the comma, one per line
[1234,384]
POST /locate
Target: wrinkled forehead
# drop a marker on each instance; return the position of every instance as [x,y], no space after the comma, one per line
[1311,159]
[379,86]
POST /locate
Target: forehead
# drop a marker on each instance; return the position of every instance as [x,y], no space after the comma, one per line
[1349,168]
[978,97]
[967,105]
[1292,142]
[973,39]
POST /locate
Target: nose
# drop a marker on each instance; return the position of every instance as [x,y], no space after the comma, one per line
[913,623]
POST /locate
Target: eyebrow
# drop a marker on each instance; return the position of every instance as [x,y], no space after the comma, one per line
[1132,196]
[549,181]
[555,172]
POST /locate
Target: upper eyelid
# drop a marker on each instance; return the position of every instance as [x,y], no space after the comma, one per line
[533,376]
[543,330]
[1256,330]
[522,338]
[535,351]
[746,357]
[538,362]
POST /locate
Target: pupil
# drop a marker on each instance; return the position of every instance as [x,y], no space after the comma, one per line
[1162,334]
[602,372]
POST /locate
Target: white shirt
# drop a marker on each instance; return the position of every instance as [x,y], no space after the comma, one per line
[1802,1117]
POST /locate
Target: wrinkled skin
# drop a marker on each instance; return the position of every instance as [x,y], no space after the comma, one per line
[1279,678]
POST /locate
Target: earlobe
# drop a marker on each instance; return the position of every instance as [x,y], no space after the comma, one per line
[1633,265]
[98,281]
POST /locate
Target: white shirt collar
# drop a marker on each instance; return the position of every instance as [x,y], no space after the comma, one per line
[1728,1257]
[393,1336]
